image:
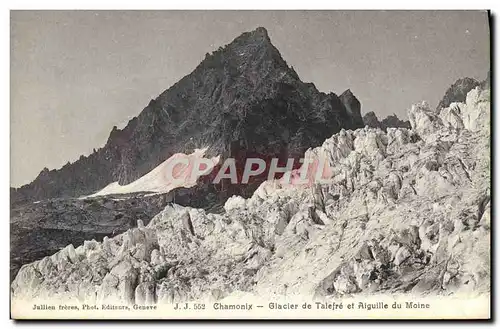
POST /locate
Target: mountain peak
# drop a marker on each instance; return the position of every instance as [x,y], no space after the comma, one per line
[259,36]
[348,92]
[259,33]
[457,92]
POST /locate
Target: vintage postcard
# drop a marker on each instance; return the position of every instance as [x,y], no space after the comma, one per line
[250,165]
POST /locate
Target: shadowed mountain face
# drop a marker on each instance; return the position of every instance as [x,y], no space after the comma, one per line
[243,96]
[458,91]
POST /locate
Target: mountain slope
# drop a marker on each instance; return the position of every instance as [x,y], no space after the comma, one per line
[243,96]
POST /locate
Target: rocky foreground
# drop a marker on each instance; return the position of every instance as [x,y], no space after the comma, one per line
[407,211]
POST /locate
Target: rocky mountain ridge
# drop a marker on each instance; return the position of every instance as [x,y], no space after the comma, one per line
[244,96]
[456,93]
[241,101]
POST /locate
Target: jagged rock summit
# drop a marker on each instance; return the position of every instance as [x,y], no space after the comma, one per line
[242,100]
[404,211]
[243,96]
[458,91]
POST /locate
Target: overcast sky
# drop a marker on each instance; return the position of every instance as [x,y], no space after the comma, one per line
[74,75]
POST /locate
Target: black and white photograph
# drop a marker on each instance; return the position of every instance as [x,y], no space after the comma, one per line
[250,164]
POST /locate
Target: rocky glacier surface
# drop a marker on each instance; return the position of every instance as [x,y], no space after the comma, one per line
[405,211]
